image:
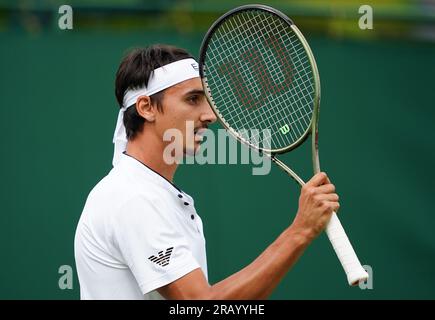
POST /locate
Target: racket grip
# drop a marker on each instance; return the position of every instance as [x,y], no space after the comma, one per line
[344,250]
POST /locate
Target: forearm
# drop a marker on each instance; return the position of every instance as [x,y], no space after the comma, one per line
[259,279]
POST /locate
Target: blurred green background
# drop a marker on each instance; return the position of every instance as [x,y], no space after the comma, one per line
[58,112]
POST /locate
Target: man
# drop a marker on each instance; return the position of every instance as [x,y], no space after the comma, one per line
[139,236]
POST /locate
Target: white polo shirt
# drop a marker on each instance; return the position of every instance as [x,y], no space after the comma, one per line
[137,233]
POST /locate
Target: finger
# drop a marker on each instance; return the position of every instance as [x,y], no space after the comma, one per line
[317,180]
[334,205]
[326,188]
[330,197]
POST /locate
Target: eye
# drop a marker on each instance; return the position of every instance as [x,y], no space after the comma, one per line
[193,99]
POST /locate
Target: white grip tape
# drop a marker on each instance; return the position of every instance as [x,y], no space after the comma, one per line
[344,250]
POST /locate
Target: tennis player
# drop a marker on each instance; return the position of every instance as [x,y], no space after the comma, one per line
[139,235]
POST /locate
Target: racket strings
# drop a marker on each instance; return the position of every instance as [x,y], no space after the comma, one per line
[246,47]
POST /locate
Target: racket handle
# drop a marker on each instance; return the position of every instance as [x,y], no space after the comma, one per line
[338,238]
[344,250]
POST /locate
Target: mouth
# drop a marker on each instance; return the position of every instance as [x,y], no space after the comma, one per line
[199,133]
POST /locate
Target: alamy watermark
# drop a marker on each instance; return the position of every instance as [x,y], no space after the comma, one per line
[366,20]
[368,284]
[204,146]
[65,21]
[66,279]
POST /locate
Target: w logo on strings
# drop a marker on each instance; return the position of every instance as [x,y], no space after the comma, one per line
[259,64]
[285,129]
[162,259]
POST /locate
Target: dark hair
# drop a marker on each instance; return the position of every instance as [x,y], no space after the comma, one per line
[134,72]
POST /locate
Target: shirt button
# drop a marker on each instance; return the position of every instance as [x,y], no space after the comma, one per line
[186,203]
[192,217]
[180,196]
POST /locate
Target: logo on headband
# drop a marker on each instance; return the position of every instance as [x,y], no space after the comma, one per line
[195,66]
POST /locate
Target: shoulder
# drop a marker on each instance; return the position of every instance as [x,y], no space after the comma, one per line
[118,188]
[119,197]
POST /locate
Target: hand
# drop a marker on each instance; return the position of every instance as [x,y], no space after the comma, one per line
[317,202]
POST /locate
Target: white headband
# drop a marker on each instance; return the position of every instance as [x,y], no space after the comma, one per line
[160,79]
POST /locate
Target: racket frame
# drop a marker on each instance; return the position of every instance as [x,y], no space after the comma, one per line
[314,121]
[358,274]
[313,127]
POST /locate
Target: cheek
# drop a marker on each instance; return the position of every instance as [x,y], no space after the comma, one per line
[166,120]
[174,127]
[175,116]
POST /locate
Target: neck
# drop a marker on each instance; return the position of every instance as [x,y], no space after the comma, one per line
[148,149]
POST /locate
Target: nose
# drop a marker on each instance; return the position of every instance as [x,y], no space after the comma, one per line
[208,116]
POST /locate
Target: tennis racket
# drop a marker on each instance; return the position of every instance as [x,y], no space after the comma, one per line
[258,72]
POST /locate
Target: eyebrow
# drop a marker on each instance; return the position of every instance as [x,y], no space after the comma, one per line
[194,91]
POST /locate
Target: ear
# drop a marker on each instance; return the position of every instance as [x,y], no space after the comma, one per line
[145,109]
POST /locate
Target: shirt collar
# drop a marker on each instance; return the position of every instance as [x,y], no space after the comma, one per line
[141,170]
[150,175]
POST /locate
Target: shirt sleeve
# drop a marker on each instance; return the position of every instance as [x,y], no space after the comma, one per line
[146,234]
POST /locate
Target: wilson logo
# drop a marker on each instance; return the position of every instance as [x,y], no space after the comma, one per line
[285,129]
[162,259]
[260,73]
